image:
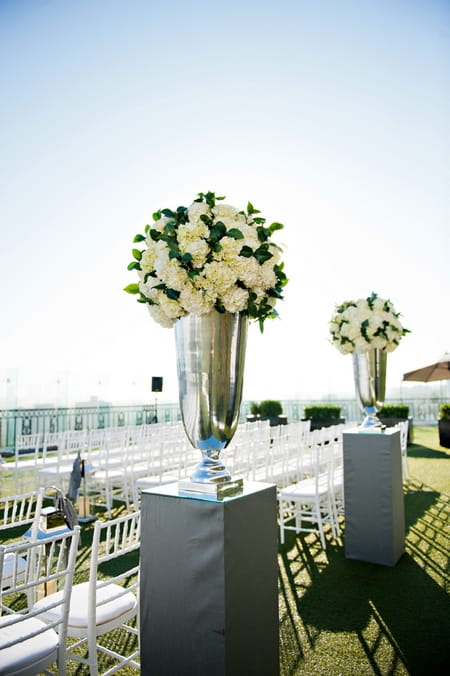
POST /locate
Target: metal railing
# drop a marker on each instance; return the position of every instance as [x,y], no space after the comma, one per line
[41,420]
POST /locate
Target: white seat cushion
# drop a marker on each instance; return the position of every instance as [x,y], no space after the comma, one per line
[38,649]
[112,610]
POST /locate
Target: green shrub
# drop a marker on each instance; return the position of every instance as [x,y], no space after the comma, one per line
[270,408]
[255,408]
[322,412]
[394,411]
[444,412]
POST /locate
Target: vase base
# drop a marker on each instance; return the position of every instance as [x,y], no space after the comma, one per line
[218,491]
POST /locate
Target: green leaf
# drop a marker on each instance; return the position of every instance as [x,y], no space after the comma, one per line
[132,288]
[235,233]
[168,213]
[157,215]
[217,231]
[134,265]
[251,209]
[246,251]
[275,226]
[137,254]
[147,228]
[262,254]
[263,233]
[186,257]
[172,294]
[139,238]
[173,254]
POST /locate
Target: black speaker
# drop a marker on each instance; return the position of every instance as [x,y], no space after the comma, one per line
[157,384]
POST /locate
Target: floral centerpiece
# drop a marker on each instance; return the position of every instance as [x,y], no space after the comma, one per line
[364,324]
[368,328]
[208,255]
[207,269]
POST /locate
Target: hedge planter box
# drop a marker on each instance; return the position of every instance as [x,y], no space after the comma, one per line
[273,420]
[328,422]
[390,422]
[444,433]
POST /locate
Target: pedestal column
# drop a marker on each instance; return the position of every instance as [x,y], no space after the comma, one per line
[373,491]
[209,583]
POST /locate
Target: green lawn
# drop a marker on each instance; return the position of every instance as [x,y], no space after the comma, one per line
[340,617]
[343,617]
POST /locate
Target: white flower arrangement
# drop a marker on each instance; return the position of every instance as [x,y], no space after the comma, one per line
[208,255]
[367,323]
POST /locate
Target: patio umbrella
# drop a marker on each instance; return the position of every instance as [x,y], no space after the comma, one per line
[440,370]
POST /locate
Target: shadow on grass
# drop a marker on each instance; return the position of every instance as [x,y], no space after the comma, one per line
[425,452]
[392,619]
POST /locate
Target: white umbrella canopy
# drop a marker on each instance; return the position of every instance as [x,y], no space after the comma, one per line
[440,370]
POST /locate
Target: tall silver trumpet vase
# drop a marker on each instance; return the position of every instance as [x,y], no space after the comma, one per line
[369,370]
[210,362]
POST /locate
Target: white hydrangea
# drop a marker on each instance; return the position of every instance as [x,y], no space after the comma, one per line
[196,210]
[247,271]
[223,212]
[235,299]
[230,250]
[198,266]
[365,324]
[194,301]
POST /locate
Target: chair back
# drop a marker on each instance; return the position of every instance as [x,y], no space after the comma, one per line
[113,539]
[29,570]
[21,510]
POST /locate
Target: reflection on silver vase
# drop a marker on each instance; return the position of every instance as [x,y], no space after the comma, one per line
[210,362]
[369,370]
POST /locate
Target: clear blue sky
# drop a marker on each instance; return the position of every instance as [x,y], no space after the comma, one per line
[331,117]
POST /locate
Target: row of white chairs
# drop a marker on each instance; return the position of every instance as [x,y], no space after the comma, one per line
[121,462]
[316,498]
[45,617]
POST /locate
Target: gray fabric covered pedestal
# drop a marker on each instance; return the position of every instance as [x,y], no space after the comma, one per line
[374,503]
[209,583]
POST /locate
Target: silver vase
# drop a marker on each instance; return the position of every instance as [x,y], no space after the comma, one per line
[369,370]
[210,362]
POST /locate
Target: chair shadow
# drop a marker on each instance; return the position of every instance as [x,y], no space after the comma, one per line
[405,605]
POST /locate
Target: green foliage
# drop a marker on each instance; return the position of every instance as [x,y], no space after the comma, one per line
[394,411]
[444,412]
[255,408]
[322,412]
[270,408]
